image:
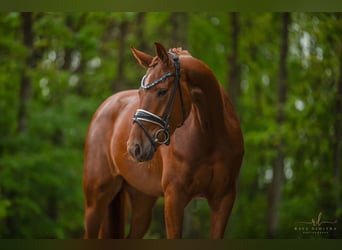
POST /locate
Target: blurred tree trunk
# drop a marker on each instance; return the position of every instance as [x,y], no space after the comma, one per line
[180,26]
[25,91]
[68,50]
[234,88]
[25,83]
[119,81]
[142,44]
[278,164]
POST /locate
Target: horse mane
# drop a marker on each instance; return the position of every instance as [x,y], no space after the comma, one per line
[179,51]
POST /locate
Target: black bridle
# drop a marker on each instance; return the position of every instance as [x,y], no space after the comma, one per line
[163,122]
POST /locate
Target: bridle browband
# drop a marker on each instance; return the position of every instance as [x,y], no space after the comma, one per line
[163,122]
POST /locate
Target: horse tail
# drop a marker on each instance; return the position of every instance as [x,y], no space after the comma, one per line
[117,215]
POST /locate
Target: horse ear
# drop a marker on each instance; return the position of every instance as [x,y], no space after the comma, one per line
[142,58]
[162,53]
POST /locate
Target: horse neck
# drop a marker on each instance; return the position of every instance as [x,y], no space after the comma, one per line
[207,102]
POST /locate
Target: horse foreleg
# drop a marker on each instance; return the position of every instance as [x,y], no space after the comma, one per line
[220,211]
[142,211]
[92,222]
[113,222]
[175,202]
[97,200]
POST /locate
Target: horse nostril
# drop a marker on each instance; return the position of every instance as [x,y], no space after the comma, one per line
[137,150]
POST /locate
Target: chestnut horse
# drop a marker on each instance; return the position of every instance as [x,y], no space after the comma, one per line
[178,136]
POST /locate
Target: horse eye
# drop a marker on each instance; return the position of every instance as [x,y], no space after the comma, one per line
[162,92]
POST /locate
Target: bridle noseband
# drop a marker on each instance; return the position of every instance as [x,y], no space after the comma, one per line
[163,122]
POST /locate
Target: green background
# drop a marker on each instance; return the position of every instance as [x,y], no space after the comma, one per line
[41,167]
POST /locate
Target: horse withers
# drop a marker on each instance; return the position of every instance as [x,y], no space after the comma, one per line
[178,136]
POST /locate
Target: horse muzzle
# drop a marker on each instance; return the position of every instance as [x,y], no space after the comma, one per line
[140,151]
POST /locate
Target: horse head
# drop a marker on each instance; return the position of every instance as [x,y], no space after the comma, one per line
[164,103]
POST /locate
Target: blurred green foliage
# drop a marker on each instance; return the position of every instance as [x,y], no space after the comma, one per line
[76,67]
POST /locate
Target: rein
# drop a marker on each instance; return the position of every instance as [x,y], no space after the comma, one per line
[163,122]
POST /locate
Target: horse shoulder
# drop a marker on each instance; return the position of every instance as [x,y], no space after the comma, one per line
[104,120]
[115,103]
[111,114]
